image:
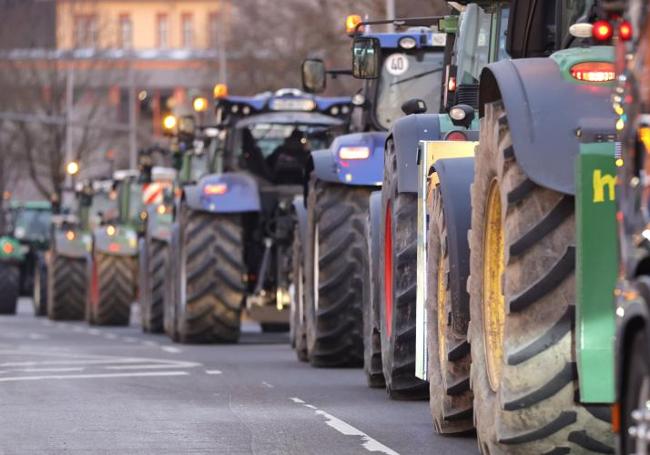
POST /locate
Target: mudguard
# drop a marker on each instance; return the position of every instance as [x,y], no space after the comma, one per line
[76,247]
[232,192]
[301,218]
[456,176]
[124,241]
[406,135]
[549,115]
[329,167]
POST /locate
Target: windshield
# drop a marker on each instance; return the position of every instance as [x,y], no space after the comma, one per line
[404,77]
[279,152]
[32,224]
[104,205]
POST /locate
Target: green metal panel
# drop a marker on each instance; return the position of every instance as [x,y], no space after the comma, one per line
[11,249]
[596,271]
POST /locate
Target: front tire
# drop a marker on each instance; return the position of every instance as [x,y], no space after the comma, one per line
[67,291]
[372,365]
[335,264]
[9,287]
[522,300]
[635,395]
[211,270]
[398,263]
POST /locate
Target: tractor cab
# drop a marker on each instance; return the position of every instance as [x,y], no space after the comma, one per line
[271,135]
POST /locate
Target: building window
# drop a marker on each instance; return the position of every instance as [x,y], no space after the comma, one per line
[85,31]
[163,31]
[126,32]
[213,31]
[187,31]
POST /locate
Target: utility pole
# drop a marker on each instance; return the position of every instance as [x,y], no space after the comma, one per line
[133,122]
[221,38]
[390,13]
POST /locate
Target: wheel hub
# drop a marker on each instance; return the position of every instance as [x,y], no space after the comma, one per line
[494,313]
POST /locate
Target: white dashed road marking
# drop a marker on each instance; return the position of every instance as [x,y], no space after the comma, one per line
[368,443]
[213,372]
[95,376]
[171,349]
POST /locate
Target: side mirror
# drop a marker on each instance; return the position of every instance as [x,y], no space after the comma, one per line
[414,106]
[365,58]
[314,77]
[462,115]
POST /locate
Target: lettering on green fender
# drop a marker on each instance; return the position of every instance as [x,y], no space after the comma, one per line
[600,183]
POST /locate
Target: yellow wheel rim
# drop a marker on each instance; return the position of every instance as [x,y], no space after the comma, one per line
[494,312]
[442,314]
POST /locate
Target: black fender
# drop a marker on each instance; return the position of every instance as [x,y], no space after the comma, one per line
[456,176]
[301,218]
[374,224]
[406,135]
[231,192]
[548,117]
[324,166]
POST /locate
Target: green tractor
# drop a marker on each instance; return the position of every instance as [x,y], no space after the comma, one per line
[22,250]
[70,247]
[12,255]
[158,198]
[114,259]
[538,322]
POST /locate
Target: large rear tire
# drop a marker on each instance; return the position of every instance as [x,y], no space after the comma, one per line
[336,264]
[397,261]
[211,270]
[39,298]
[9,287]
[116,289]
[522,300]
[152,291]
[372,365]
[298,330]
[67,283]
[448,350]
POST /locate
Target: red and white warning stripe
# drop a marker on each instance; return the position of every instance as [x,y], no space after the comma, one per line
[152,193]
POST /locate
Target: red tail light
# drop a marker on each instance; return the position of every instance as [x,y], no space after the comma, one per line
[455,136]
[593,72]
[602,31]
[625,31]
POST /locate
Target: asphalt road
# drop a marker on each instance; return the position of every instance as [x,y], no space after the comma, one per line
[70,388]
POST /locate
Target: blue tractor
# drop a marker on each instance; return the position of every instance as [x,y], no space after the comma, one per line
[334,216]
[232,238]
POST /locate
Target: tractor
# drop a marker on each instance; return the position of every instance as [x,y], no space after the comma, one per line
[630,21]
[26,225]
[12,255]
[538,322]
[336,208]
[192,149]
[114,258]
[70,247]
[232,239]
